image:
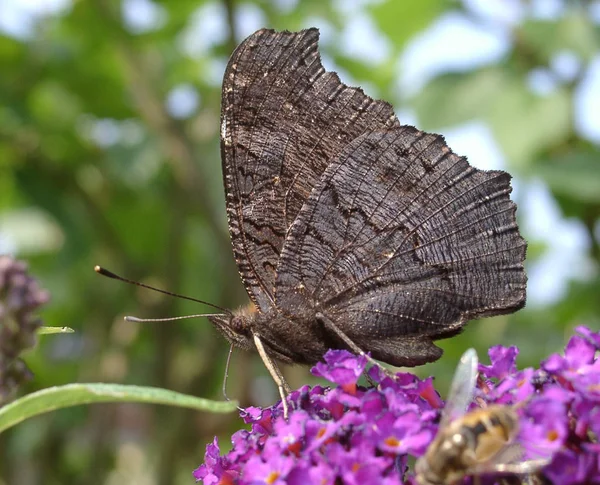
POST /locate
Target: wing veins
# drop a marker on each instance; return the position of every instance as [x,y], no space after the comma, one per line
[376,274]
[239,215]
[337,257]
[346,244]
[322,136]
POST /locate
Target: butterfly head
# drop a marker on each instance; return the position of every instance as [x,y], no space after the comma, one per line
[236,326]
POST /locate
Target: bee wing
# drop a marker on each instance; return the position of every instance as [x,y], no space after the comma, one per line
[509,460]
[510,454]
[462,387]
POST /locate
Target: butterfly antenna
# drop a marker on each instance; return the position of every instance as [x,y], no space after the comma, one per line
[170,319]
[114,276]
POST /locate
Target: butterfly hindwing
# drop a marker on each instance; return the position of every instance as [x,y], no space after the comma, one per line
[404,239]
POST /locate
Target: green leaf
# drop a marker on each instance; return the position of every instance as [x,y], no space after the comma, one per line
[400,21]
[575,175]
[75,394]
[572,32]
[526,124]
[451,99]
[522,122]
[52,330]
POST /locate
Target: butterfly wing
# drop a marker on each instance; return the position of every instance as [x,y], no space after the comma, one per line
[283,119]
[401,243]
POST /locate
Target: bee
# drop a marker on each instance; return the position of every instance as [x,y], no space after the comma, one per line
[476,442]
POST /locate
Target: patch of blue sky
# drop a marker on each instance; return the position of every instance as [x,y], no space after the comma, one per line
[143,15]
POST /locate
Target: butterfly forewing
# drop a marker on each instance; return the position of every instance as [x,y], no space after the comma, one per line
[283,119]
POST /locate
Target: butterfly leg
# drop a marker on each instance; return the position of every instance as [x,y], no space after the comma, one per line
[348,341]
[274,371]
[226,376]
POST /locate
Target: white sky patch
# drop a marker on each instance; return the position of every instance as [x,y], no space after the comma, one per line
[30,230]
[248,19]
[327,34]
[143,15]
[407,117]
[286,6]
[546,9]
[507,12]
[475,141]
[18,17]
[594,11]
[452,43]
[213,70]
[206,28]
[541,81]
[587,103]
[7,244]
[566,65]
[567,242]
[183,101]
[362,40]
[106,132]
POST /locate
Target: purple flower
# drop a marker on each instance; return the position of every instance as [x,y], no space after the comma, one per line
[503,361]
[216,469]
[272,471]
[403,434]
[547,427]
[354,435]
[342,368]
[571,468]
[20,296]
[593,337]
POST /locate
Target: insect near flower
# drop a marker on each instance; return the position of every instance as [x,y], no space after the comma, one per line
[349,229]
[474,443]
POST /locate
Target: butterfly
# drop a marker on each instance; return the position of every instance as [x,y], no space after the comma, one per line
[349,229]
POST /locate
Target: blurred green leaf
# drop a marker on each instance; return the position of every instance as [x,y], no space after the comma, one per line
[576,175]
[400,21]
[523,123]
[572,32]
[69,395]
[452,99]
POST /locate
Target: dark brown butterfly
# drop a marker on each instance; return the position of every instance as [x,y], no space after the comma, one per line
[349,229]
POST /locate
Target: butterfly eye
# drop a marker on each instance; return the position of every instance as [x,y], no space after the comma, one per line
[239,325]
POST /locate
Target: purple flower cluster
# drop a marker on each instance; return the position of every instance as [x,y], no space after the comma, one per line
[20,295]
[355,435]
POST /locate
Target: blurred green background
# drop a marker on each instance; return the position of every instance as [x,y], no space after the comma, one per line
[109,121]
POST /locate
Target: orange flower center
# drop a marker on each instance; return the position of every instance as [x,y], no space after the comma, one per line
[272,477]
[349,388]
[391,441]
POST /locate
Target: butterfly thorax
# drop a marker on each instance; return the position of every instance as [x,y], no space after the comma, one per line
[299,340]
